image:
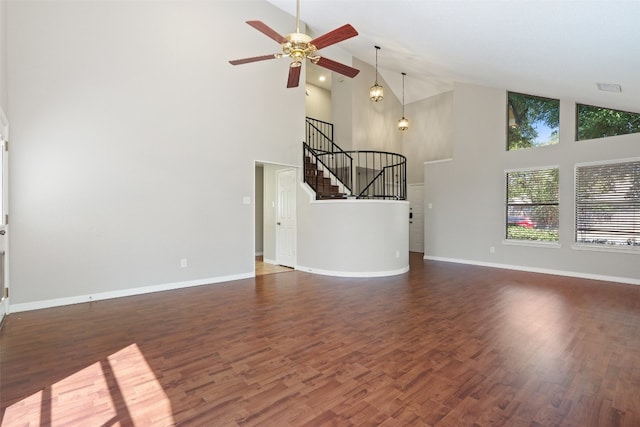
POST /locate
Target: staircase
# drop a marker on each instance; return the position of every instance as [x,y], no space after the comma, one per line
[321,184]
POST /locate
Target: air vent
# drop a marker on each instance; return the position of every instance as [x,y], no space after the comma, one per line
[609,87]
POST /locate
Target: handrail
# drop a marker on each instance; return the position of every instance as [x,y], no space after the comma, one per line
[339,176]
[380,175]
[364,174]
[364,190]
[377,174]
[335,160]
[324,129]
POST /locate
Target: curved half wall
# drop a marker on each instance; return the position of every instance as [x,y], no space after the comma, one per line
[352,238]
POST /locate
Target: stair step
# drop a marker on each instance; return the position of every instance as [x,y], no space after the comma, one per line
[321,184]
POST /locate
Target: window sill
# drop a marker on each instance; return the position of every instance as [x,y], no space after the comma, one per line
[606,248]
[533,243]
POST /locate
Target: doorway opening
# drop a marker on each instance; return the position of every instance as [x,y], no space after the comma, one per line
[275,227]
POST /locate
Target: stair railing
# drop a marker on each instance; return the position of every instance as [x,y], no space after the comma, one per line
[380,175]
[319,134]
[337,162]
[361,174]
[318,166]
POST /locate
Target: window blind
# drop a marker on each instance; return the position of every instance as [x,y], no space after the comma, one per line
[532,204]
[608,203]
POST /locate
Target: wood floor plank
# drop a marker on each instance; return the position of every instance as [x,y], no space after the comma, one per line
[443,345]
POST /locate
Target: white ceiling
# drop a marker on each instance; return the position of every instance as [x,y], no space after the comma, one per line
[558,48]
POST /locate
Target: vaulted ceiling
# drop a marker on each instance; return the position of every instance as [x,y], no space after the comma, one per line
[559,49]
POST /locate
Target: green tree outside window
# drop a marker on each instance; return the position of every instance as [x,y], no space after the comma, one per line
[533,121]
[598,122]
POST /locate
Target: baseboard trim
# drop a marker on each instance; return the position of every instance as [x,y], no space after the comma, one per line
[616,279]
[58,302]
[353,273]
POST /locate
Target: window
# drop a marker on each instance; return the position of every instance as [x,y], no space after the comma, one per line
[532,205]
[597,122]
[532,121]
[608,204]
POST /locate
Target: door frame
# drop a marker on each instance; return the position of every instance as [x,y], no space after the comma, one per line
[268,208]
[4,226]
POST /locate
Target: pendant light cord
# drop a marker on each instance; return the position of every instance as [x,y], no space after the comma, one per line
[403,74]
[377,49]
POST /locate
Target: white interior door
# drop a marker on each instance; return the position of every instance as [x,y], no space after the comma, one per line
[415,195]
[286,218]
[4,226]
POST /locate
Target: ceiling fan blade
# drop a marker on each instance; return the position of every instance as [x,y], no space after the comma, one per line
[253,59]
[337,67]
[267,30]
[335,36]
[294,76]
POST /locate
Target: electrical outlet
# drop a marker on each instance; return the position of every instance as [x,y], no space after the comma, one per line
[492,249]
[183,263]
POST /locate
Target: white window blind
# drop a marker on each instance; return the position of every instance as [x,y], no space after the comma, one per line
[608,204]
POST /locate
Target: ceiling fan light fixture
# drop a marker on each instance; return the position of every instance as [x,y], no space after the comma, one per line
[403,123]
[376,92]
[299,46]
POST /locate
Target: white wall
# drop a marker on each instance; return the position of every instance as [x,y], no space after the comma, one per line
[134,142]
[467,194]
[3,56]
[430,133]
[375,124]
[341,111]
[318,103]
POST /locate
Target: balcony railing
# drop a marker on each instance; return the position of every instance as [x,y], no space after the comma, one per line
[379,175]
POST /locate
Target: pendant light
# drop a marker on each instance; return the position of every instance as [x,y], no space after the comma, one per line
[403,123]
[376,92]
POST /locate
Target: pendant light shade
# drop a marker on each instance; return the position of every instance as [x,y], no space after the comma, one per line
[403,123]
[376,92]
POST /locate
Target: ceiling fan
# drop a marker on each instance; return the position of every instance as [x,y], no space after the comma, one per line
[299,46]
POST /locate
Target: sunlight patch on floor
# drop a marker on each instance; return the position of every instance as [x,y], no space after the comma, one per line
[119,390]
[23,412]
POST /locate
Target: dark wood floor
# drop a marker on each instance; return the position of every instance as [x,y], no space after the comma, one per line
[443,345]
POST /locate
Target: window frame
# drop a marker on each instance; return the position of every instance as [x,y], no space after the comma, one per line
[528,242]
[508,119]
[577,122]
